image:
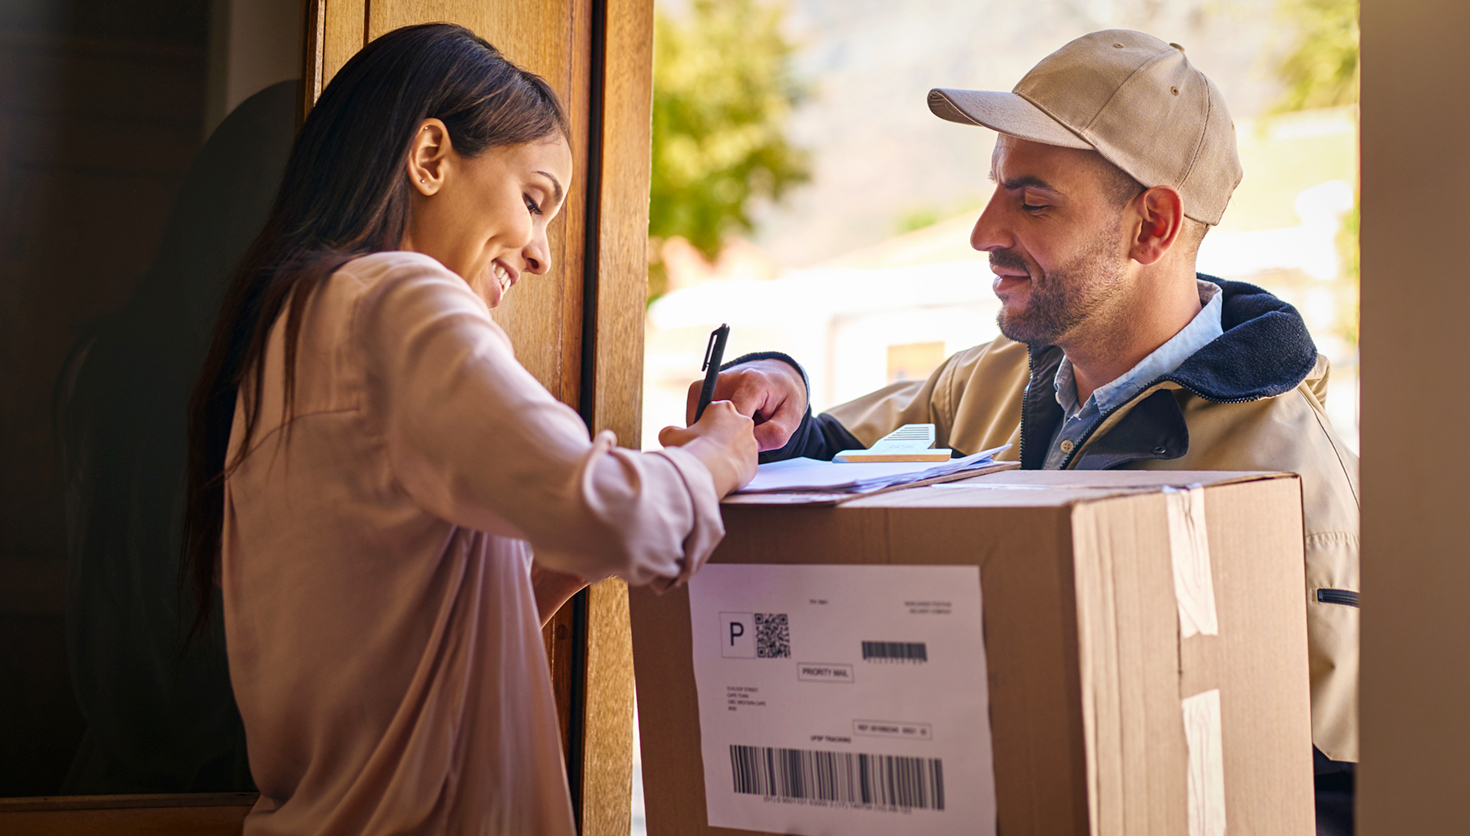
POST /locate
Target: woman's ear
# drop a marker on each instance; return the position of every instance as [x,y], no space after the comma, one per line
[1160,216]
[428,156]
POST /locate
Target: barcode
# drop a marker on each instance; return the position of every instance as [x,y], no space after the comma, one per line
[840,777]
[907,651]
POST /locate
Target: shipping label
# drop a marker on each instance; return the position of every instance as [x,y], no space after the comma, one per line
[843,699]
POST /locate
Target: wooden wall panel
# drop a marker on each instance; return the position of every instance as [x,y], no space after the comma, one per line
[615,374]
[203,814]
[607,728]
[622,230]
[342,29]
[1415,625]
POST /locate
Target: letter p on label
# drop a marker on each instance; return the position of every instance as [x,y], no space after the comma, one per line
[737,635]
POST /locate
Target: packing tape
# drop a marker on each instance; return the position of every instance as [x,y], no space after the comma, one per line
[1206,764]
[1189,550]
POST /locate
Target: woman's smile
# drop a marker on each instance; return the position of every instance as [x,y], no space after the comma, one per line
[505,276]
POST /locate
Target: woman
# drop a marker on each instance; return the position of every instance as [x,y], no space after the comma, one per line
[371,501]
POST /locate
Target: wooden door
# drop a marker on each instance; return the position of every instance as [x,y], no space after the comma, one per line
[578,329]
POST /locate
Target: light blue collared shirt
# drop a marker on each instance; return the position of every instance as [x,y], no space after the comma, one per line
[1078,420]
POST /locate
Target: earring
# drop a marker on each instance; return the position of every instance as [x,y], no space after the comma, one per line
[422,180]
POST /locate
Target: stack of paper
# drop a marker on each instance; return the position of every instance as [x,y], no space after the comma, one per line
[813,476]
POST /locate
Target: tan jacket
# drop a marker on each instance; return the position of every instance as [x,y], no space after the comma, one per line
[975,402]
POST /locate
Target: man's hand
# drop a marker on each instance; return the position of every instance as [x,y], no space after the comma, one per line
[769,392]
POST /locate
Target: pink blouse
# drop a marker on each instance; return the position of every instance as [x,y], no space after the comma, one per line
[383,638]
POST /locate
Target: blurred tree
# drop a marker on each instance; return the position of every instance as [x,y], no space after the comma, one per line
[1347,248]
[721,97]
[917,218]
[1322,68]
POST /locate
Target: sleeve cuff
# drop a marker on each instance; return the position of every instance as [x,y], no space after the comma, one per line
[773,355]
[707,525]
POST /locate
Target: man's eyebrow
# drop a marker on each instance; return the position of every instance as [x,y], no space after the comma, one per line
[556,189]
[1028,182]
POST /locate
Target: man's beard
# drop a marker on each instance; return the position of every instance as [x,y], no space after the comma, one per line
[1061,300]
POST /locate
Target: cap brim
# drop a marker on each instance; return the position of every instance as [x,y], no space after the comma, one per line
[1005,113]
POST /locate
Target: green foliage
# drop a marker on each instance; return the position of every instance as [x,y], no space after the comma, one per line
[1347,247]
[918,219]
[1322,68]
[1322,71]
[721,98]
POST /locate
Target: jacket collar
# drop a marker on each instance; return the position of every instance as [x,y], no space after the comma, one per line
[1265,351]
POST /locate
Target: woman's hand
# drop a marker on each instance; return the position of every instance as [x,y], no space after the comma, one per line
[724,440]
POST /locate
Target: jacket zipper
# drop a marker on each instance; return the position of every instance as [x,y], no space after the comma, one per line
[1026,401]
[1104,417]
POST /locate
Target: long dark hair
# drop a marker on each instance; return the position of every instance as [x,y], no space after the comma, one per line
[345,193]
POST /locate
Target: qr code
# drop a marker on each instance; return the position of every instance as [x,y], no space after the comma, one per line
[772,636]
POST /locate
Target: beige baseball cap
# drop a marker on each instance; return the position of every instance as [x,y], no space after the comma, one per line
[1131,97]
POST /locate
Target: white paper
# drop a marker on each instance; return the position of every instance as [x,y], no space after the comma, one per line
[809,474]
[785,680]
[1206,764]
[802,474]
[1189,551]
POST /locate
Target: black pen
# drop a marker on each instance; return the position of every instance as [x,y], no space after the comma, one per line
[714,355]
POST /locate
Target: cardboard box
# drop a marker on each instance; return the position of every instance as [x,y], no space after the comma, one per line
[1088,672]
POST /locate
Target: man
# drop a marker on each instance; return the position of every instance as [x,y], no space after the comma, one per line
[1115,158]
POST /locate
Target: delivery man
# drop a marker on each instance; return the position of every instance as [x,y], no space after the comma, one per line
[1115,157]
